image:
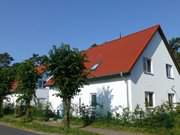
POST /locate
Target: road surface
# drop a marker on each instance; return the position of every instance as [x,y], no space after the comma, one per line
[4,130]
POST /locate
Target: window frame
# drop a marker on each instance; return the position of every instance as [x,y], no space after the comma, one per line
[40,83]
[171,103]
[92,102]
[148,99]
[169,71]
[148,69]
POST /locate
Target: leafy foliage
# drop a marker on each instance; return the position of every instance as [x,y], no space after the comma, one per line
[5,59]
[67,66]
[6,78]
[68,70]
[175,45]
[39,60]
[161,119]
[26,79]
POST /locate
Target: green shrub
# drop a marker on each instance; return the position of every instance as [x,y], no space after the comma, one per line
[19,110]
[9,109]
[162,119]
[87,115]
[48,113]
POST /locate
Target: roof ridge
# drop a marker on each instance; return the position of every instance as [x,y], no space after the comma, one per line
[106,43]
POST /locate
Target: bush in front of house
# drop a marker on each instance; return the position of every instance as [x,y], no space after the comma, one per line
[87,115]
[47,113]
[8,109]
[162,118]
[19,110]
[44,112]
[39,111]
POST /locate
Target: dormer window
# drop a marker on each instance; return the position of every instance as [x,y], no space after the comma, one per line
[169,71]
[95,66]
[147,65]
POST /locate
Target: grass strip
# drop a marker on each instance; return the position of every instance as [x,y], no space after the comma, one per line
[40,127]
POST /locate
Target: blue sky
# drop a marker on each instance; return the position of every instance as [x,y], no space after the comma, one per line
[33,26]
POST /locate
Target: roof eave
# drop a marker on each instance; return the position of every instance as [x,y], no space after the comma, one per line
[120,74]
[168,48]
[166,44]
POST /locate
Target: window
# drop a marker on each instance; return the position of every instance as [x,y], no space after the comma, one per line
[93,100]
[40,83]
[149,99]
[147,65]
[170,99]
[95,66]
[169,71]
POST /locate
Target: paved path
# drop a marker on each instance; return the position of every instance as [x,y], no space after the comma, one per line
[4,130]
[108,131]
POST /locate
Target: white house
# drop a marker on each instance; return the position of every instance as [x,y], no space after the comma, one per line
[134,69]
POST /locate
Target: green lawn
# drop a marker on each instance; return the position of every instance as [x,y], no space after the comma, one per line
[41,127]
[56,127]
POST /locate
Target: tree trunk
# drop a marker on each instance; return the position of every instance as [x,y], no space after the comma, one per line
[28,110]
[67,106]
[1,106]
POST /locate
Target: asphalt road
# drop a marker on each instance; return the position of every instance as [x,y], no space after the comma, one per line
[4,130]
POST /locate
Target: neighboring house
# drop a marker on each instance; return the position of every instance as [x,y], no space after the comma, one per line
[136,69]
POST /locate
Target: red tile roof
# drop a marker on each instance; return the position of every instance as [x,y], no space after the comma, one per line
[116,56]
[49,82]
[41,69]
[119,55]
[13,86]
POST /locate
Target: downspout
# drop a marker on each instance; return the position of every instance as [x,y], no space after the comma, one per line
[127,92]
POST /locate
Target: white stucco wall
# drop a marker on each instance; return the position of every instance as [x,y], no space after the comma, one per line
[158,81]
[11,99]
[47,95]
[111,94]
[43,94]
[56,102]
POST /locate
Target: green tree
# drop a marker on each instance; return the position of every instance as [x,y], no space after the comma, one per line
[175,46]
[5,59]
[26,84]
[69,74]
[6,81]
[6,78]
[39,60]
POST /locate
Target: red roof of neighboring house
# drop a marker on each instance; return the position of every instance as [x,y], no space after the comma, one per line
[41,69]
[49,82]
[119,55]
[13,86]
